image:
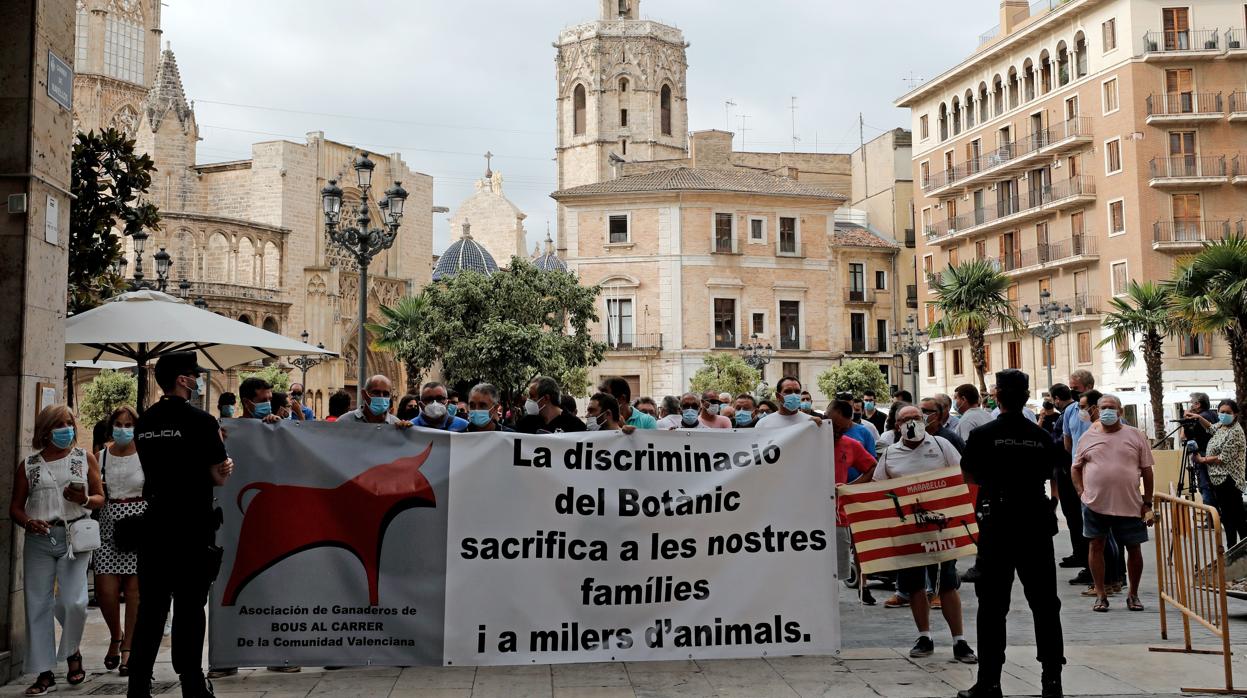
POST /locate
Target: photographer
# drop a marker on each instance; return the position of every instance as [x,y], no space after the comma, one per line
[1197,424]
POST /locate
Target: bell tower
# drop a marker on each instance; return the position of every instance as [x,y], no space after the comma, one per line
[621,94]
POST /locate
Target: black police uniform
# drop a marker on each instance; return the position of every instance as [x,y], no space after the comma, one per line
[177,445]
[1011,459]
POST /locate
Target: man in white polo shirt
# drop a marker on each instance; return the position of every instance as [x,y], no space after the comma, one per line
[919,452]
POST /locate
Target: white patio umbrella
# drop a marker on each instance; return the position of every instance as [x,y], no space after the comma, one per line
[142,326]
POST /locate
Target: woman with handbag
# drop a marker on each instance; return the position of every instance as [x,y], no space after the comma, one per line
[116,562]
[54,491]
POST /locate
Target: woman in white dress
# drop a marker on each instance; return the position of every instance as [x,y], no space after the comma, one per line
[53,488]
[116,566]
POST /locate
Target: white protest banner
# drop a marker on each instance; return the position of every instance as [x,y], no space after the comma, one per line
[351,544]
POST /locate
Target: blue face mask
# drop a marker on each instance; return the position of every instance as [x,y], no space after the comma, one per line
[690,416]
[262,409]
[743,418]
[379,405]
[478,418]
[452,410]
[62,437]
[1108,417]
[1225,419]
[868,406]
[805,404]
[792,402]
[227,410]
[122,436]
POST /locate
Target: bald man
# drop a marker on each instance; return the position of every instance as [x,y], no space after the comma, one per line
[375,405]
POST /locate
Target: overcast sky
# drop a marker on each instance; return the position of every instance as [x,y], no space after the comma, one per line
[442,82]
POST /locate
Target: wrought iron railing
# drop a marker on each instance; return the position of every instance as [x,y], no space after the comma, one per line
[629,341]
[1188,166]
[1185,103]
[1171,40]
[1189,230]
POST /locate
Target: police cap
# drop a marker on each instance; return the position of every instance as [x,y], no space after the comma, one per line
[1012,380]
[174,364]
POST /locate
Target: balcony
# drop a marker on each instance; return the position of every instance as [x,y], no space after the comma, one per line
[1184,108]
[862,345]
[1238,173]
[1182,45]
[1027,205]
[1238,106]
[859,296]
[1082,305]
[1077,250]
[1236,43]
[210,290]
[910,240]
[933,279]
[1187,171]
[911,296]
[1186,235]
[1069,193]
[630,342]
[1012,157]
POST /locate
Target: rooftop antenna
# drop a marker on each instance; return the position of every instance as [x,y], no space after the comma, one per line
[742,118]
[727,114]
[795,138]
[913,80]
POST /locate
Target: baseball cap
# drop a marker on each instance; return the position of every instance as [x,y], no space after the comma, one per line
[179,363]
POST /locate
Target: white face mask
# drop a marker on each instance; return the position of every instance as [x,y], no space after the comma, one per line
[531,407]
[912,431]
[1084,415]
[592,424]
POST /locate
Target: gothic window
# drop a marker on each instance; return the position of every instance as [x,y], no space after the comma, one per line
[123,50]
[81,37]
[623,102]
[664,107]
[578,107]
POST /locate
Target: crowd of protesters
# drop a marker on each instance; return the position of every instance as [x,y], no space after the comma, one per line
[1091,462]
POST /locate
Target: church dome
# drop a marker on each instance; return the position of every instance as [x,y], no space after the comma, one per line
[497,223]
[465,254]
[548,260]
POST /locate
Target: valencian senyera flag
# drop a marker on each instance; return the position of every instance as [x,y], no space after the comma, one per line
[910,521]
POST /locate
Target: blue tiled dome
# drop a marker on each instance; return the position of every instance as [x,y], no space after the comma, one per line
[549,261]
[464,254]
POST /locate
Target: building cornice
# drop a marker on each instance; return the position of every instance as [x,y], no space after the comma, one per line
[222,220]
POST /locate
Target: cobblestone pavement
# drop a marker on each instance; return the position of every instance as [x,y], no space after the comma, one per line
[1108,656]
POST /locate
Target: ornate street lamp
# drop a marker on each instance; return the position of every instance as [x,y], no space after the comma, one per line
[163,262]
[201,303]
[140,242]
[304,361]
[361,241]
[1054,320]
[758,355]
[184,288]
[911,343]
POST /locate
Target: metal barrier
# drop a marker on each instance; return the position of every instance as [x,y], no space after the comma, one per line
[1190,571]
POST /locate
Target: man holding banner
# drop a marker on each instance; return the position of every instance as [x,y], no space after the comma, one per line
[919,452]
[1011,459]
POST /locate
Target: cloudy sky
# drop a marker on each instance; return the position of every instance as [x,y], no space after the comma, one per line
[442,82]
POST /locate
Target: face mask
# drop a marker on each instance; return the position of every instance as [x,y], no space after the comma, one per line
[792,402]
[593,424]
[227,410]
[122,436]
[262,409]
[379,405]
[1084,415]
[743,418]
[194,390]
[868,406]
[200,386]
[478,418]
[689,415]
[1225,419]
[531,407]
[805,404]
[435,412]
[62,437]
[452,410]
[714,409]
[912,430]
[1108,417]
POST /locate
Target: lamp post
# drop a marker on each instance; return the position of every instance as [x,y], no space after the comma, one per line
[184,289]
[140,242]
[758,355]
[363,242]
[163,262]
[1054,321]
[304,361]
[910,343]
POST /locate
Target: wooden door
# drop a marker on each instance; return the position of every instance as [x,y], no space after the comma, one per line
[1182,161]
[1180,91]
[1177,22]
[1187,214]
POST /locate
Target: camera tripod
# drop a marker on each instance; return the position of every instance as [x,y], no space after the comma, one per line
[1188,481]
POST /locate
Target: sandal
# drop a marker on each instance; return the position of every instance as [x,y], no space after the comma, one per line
[1133,603]
[112,660]
[75,676]
[45,684]
[1101,605]
[124,668]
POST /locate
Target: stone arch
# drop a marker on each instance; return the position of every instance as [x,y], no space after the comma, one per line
[1080,54]
[1028,79]
[664,109]
[579,110]
[1013,87]
[1045,72]
[245,318]
[216,260]
[1062,63]
[998,95]
[271,325]
[955,111]
[943,120]
[272,265]
[984,102]
[244,267]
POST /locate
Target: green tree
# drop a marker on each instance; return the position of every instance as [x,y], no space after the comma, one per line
[107,177]
[855,376]
[725,373]
[398,335]
[505,328]
[971,297]
[1209,294]
[105,393]
[275,375]
[1144,312]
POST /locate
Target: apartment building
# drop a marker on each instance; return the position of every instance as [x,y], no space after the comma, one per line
[1084,144]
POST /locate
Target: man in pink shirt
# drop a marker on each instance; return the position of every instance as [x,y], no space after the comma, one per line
[1111,460]
[710,418]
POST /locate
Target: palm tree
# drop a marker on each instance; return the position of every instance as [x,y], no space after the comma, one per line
[397,336]
[1144,311]
[971,297]
[1209,294]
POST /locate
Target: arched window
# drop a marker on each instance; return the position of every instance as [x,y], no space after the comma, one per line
[244,267]
[1028,78]
[943,121]
[956,111]
[969,108]
[664,109]
[1062,64]
[1080,55]
[578,109]
[998,95]
[623,102]
[245,319]
[984,104]
[623,84]
[1013,88]
[1045,71]
[216,266]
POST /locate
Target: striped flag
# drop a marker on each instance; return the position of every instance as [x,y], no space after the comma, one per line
[910,521]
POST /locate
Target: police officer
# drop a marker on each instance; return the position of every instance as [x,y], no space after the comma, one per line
[183,458]
[1011,459]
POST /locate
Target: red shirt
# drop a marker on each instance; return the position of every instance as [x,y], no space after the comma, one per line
[849,453]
